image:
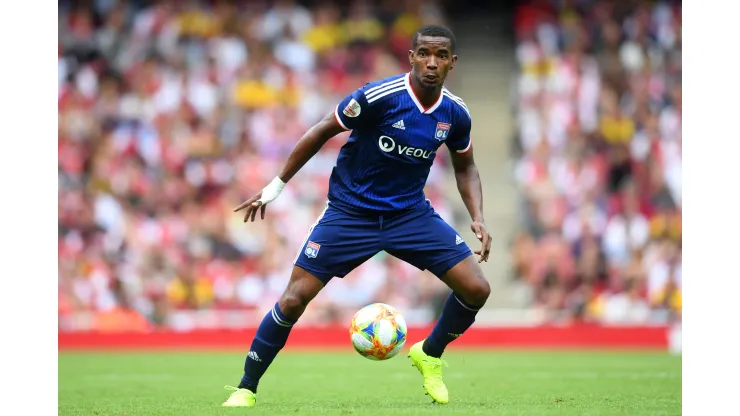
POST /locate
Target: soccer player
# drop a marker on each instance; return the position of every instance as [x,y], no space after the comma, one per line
[376,202]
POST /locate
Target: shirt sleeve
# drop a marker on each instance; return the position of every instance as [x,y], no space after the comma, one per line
[460,136]
[353,111]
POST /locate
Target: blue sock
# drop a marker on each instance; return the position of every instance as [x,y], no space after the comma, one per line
[457,316]
[270,338]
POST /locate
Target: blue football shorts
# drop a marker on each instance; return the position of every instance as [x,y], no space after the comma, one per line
[341,241]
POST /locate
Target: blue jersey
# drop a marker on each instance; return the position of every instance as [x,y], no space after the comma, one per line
[385,163]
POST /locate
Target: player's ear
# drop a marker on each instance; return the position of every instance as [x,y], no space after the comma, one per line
[411,57]
[454,62]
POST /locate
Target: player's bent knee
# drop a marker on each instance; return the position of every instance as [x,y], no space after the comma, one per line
[476,292]
[479,293]
[292,304]
[302,288]
[466,279]
[479,289]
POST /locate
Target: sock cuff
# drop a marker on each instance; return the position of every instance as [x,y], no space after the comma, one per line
[465,304]
[280,318]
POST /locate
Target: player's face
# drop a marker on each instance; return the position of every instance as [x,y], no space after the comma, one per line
[432,60]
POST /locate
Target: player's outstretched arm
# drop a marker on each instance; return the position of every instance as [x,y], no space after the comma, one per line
[471,191]
[307,147]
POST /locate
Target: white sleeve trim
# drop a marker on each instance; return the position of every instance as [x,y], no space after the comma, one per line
[339,120]
[470,144]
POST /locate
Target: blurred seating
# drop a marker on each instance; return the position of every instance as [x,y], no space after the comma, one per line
[598,107]
[171,114]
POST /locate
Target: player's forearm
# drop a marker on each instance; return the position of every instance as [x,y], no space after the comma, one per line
[471,191]
[306,148]
[311,142]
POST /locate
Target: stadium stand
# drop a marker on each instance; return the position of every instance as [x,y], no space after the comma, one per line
[171,114]
[598,108]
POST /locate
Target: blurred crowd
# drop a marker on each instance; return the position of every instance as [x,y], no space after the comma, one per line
[171,113]
[598,107]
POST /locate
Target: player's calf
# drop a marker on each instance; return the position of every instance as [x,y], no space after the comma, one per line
[272,334]
[470,291]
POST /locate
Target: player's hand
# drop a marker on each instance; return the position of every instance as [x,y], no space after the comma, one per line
[260,201]
[481,232]
[252,205]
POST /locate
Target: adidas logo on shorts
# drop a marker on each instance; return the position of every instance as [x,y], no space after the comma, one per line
[458,240]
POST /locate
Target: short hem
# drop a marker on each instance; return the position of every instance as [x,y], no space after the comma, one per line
[448,264]
[323,277]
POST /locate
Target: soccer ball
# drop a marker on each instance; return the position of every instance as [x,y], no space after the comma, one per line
[378,331]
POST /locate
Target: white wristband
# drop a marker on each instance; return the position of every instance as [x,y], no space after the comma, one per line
[271,191]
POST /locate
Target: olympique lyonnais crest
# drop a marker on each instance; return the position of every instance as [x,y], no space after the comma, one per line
[312,249]
[442,130]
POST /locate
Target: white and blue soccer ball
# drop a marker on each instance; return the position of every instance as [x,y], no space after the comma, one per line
[378,332]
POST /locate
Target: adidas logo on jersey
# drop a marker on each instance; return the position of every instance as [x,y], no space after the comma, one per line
[399,125]
[253,355]
[458,240]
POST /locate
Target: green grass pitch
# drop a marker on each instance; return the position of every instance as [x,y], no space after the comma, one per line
[303,383]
